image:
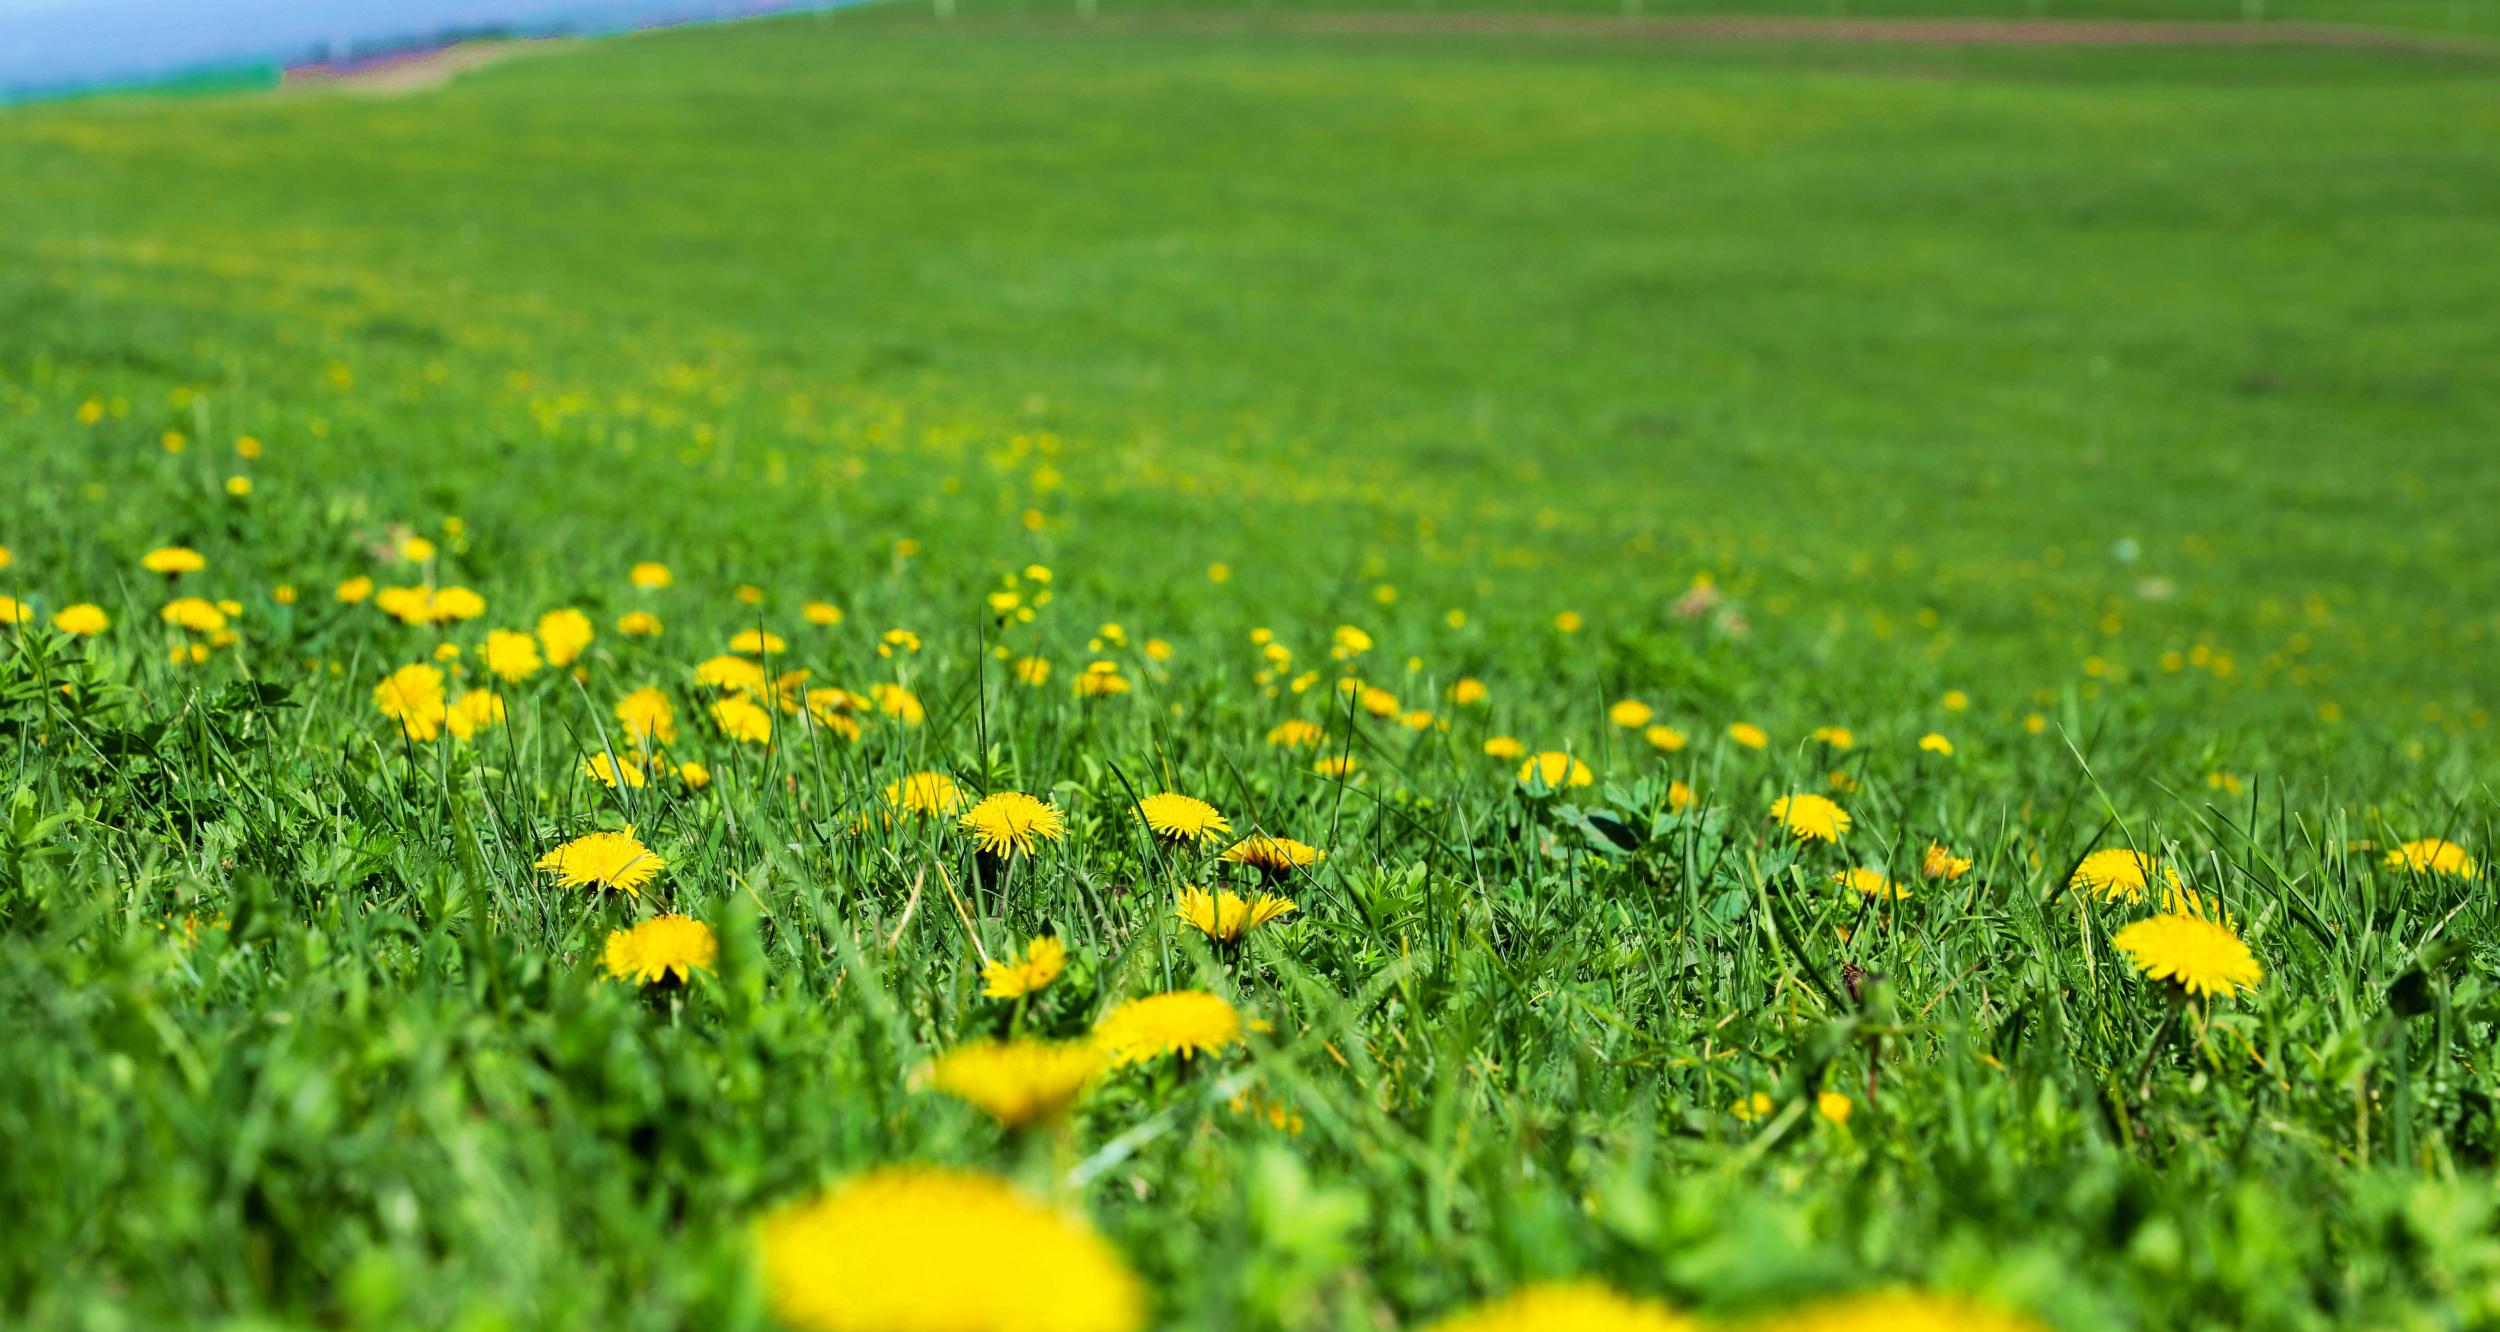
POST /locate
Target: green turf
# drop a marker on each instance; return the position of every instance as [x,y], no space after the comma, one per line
[2142,396]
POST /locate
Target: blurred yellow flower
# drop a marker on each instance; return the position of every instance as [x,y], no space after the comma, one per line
[1017,975]
[1810,817]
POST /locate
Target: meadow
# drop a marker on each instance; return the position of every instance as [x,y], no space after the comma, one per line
[1191,671]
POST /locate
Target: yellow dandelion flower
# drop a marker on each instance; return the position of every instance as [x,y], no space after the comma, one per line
[15,612]
[1750,1108]
[608,770]
[1679,797]
[1503,748]
[694,775]
[638,624]
[1664,739]
[663,950]
[2118,874]
[1631,714]
[459,603]
[1834,1107]
[173,561]
[413,697]
[739,718]
[1567,1306]
[736,674]
[565,633]
[1020,974]
[822,614]
[416,549]
[512,657]
[899,703]
[1276,857]
[1554,770]
[1810,817]
[85,620]
[1900,1311]
[927,794]
[1933,743]
[758,643]
[650,574]
[1033,671]
[2200,956]
[1835,737]
[1017,1082]
[604,860]
[1010,823]
[1468,693]
[1568,622]
[2428,856]
[1182,818]
[1748,735]
[194,614]
[354,591]
[1870,883]
[1337,767]
[474,710]
[1183,1022]
[1940,863]
[648,717]
[1225,916]
[890,1251]
[1101,679]
[1296,734]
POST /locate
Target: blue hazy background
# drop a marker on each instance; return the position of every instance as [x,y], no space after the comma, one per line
[59,46]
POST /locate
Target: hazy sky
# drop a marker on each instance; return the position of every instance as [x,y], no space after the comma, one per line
[50,44]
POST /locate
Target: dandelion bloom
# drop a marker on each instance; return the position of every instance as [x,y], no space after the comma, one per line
[1900,1311]
[738,718]
[1469,692]
[1226,916]
[757,643]
[1295,733]
[899,703]
[1022,973]
[1631,714]
[413,697]
[918,1249]
[173,561]
[194,614]
[1933,743]
[1182,818]
[608,771]
[1835,737]
[638,624]
[694,775]
[1337,767]
[650,574]
[459,603]
[1009,823]
[1664,739]
[661,949]
[1503,748]
[1940,863]
[1033,671]
[1834,1107]
[511,656]
[1275,856]
[86,619]
[1870,883]
[2200,956]
[565,633]
[928,794]
[1679,797]
[822,614]
[2117,873]
[14,611]
[604,860]
[354,591]
[648,717]
[1101,679]
[1183,1022]
[474,710]
[1017,1082]
[1750,1108]
[1810,817]
[1748,735]
[1566,1306]
[1554,770]
[735,674]
[2428,856]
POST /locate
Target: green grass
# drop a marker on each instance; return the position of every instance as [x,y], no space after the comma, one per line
[2141,392]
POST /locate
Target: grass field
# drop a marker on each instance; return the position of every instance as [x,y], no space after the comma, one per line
[2098,437]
